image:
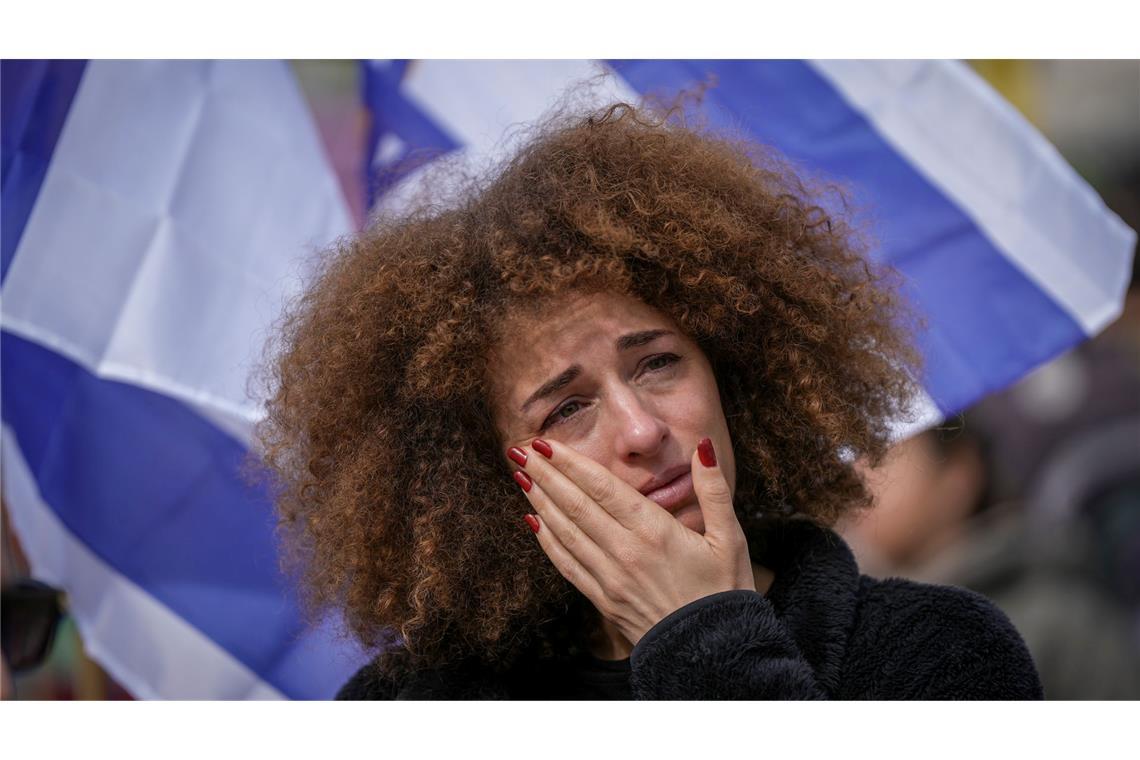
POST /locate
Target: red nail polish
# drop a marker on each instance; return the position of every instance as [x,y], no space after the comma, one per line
[542,447]
[518,455]
[706,453]
[523,480]
[532,521]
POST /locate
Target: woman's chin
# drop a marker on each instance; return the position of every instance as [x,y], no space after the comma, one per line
[690,516]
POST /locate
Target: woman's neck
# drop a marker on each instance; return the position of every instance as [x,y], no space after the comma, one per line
[608,643]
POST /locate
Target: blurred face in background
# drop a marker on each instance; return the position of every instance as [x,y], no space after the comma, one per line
[632,392]
[922,498]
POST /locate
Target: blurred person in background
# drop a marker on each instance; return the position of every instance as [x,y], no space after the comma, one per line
[30,613]
[1033,500]
[43,656]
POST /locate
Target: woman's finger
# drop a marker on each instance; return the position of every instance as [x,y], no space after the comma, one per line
[567,564]
[618,499]
[571,500]
[571,538]
[713,494]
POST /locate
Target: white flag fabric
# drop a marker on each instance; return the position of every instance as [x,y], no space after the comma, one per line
[154,217]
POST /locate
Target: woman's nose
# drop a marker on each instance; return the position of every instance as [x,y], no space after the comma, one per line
[639,430]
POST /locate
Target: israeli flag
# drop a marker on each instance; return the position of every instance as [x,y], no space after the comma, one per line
[154,214]
[154,218]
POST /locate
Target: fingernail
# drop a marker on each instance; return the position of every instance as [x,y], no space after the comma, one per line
[518,455]
[523,480]
[532,521]
[542,447]
[706,453]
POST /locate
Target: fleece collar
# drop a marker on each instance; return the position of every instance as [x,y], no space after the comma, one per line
[815,592]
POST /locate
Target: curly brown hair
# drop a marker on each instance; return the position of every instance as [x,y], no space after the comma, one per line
[392,489]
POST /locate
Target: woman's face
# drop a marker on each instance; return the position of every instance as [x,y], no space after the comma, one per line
[619,382]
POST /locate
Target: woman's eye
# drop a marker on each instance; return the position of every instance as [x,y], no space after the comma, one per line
[661,361]
[560,414]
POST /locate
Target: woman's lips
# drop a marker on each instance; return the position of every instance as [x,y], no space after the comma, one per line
[674,493]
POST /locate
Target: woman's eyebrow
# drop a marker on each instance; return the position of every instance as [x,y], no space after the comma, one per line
[633,340]
[554,385]
[625,342]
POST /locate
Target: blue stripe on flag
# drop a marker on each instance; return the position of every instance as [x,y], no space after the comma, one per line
[987,321]
[155,491]
[396,117]
[35,97]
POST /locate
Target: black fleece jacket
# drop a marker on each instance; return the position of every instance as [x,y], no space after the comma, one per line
[821,632]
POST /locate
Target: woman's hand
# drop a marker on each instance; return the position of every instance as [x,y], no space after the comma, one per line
[632,559]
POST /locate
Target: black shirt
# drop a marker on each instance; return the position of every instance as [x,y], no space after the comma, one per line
[587,677]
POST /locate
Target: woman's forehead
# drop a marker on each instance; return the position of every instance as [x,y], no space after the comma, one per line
[574,321]
[548,337]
